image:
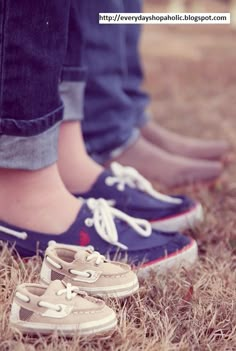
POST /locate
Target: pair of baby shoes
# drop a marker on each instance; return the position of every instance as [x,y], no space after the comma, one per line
[68,298]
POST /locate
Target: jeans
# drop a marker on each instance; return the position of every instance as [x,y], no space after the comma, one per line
[114,102]
[34,42]
[74,71]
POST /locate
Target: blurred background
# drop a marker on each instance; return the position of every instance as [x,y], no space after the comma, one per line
[191,70]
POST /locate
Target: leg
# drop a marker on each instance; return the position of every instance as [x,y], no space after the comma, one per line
[85,170]
[182,145]
[157,135]
[49,212]
[109,114]
[133,80]
[102,99]
[32,193]
[78,171]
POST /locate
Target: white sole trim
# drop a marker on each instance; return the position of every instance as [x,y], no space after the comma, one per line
[87,328]
[184,258]
[116,293]
[180,222]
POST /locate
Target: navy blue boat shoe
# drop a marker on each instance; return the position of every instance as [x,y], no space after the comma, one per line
[131,193]
[109,231]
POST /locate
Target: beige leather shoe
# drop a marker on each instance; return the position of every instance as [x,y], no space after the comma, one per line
[88,270]
[59,307]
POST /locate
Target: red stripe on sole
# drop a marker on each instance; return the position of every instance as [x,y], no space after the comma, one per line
[175,216]
[173,254]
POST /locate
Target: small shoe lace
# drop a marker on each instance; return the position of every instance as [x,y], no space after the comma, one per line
[17,234]
[69,290]
[95,255]
[92,255]
[104,222]
[130,176]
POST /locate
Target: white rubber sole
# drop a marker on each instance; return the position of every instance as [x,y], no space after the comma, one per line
[104,325]
[183,258]
[117,291]
[180,222]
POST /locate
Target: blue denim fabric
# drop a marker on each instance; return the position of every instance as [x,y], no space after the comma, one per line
[104,56]
[74,71]
[114,103]
[33,47]
[135,77]
[35,41]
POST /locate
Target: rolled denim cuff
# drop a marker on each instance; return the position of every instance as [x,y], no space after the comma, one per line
[30,127]
[29,153]
[73,74]
[72,95]
[112,154]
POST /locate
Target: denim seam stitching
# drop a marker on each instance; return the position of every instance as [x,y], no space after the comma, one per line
[58,109]
[4,15]
[72,68]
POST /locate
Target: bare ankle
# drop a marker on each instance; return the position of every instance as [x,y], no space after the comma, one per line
[77,170]
[36,200]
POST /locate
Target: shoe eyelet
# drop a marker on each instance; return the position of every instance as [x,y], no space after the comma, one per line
[108,181]
[88,222]
[60,308]
[120,187]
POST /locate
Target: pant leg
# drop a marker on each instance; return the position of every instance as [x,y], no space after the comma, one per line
[134,79]
[108,123]
[74,69]
[33,44]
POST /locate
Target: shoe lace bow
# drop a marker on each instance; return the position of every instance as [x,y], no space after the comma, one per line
[103,220]
[70,291]
[123,176]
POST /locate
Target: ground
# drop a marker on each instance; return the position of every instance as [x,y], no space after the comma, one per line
[190,72]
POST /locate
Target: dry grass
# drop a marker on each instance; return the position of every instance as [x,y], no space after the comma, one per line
[192,77]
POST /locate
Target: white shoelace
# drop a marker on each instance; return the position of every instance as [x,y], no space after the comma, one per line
[92,255]
[95,255]
[103,221]
[19,235]
[69,290]
[129,176]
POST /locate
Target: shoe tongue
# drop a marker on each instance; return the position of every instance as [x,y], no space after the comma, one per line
[106,267]
[81,254]
[54,286]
